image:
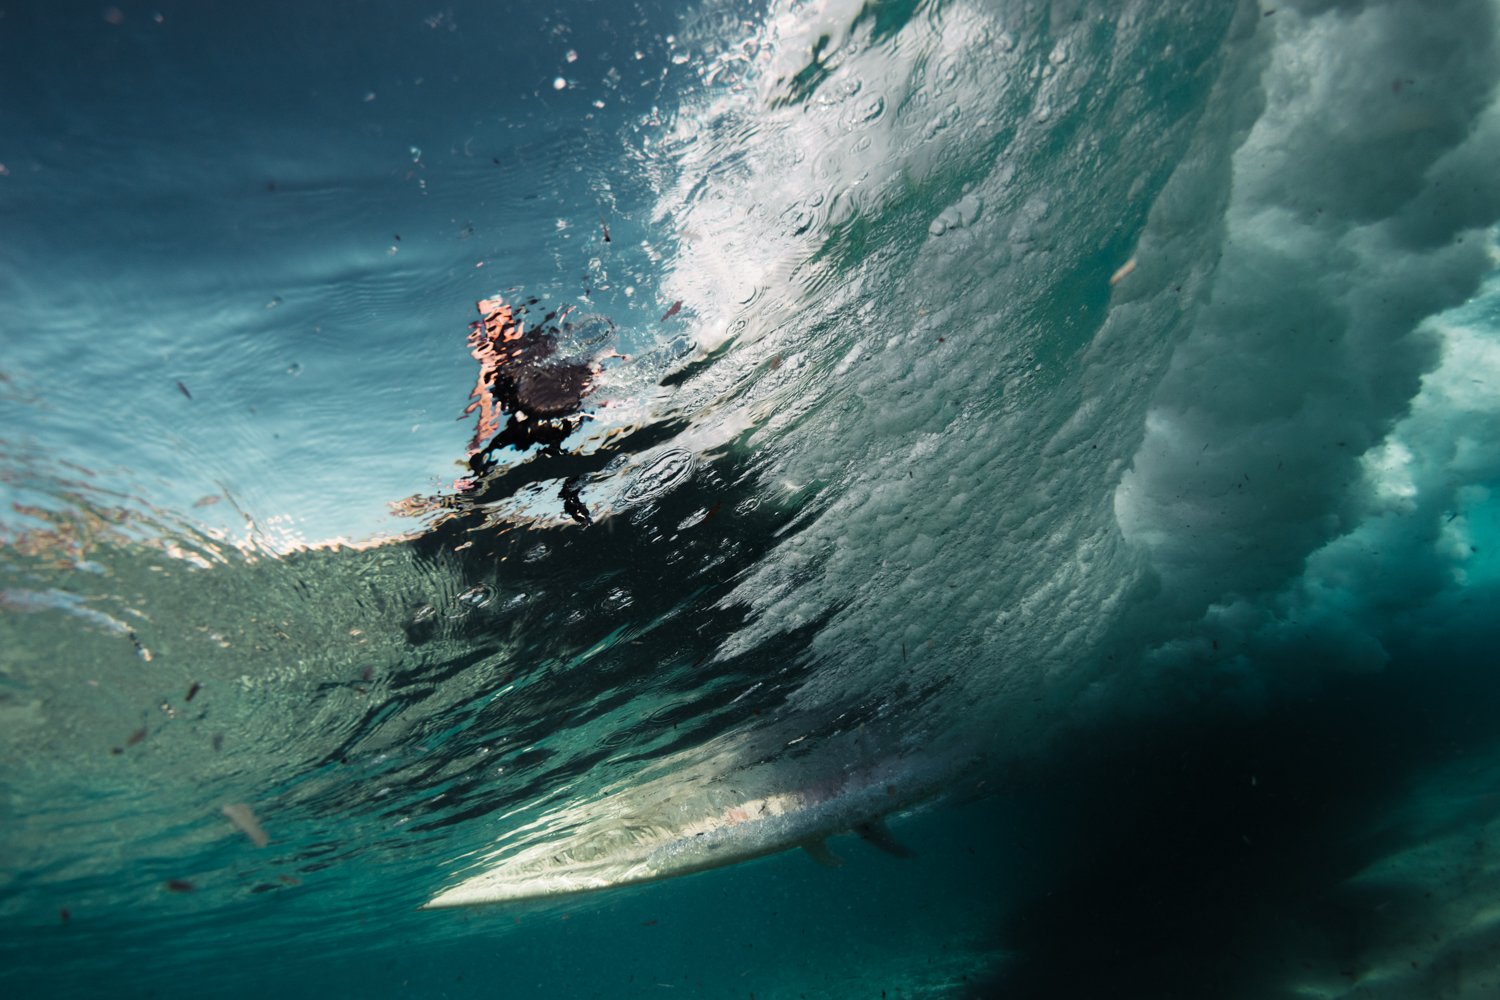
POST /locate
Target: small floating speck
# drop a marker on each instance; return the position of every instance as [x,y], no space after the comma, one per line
[244,820]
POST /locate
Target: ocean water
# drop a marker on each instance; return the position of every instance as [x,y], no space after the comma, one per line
[1058,441]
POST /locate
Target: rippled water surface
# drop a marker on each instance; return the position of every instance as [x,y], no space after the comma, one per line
[1066,432]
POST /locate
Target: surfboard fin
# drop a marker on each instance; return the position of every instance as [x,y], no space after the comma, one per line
[819,852]
[876,834]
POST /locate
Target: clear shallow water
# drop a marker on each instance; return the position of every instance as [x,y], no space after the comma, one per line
[1086,410]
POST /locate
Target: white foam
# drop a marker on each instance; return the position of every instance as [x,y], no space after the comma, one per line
[1001,495]
[1297,461]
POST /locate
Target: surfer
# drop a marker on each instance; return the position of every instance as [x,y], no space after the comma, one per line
[522,379]
[533,386]
[519,377]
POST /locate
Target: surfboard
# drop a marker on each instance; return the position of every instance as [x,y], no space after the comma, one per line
[625,841]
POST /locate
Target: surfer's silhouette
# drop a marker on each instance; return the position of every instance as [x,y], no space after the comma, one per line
[521,379]
[531,394]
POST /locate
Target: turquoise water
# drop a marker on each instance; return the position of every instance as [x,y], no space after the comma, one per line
[1065,433]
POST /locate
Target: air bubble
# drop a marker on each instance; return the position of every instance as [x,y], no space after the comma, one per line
[588,332]
[476,597]
[799,219]
[666,471]
[964,212]
[864,111]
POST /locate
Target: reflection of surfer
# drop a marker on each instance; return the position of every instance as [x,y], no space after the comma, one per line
[540,396]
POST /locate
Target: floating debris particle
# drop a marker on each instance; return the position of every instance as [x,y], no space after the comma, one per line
[1122,273]
[179,885]
[140,647]
[192,691]
[240,815]
[135,737]
[676,308]
[184,390]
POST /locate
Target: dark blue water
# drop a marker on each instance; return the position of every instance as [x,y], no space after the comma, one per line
[1063,433]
